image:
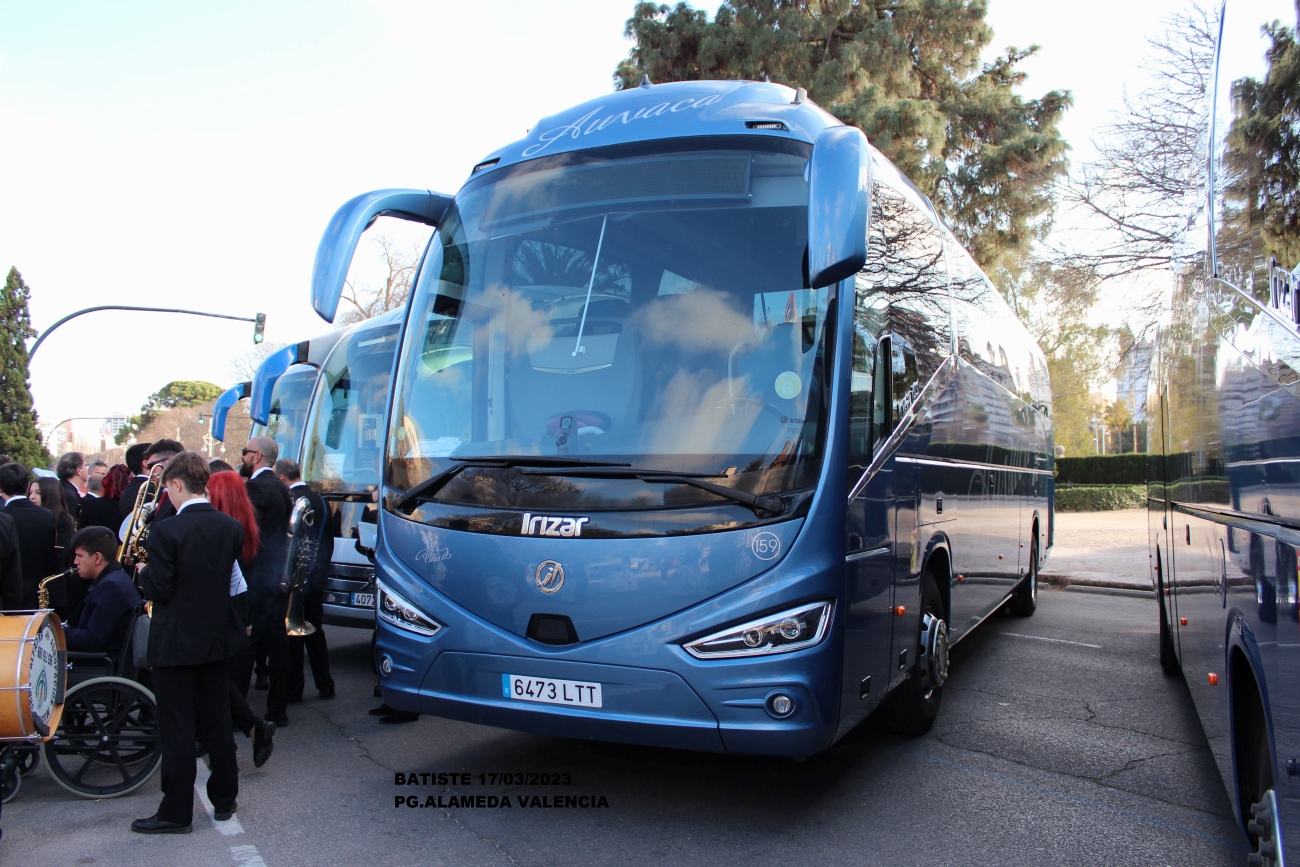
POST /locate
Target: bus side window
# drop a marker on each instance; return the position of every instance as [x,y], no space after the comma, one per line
[882,417]
[904,376]
[861,403]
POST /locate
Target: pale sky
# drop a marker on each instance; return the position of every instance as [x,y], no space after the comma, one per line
[180,155]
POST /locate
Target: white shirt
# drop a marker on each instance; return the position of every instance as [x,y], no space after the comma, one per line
[257,472]
[185,505]
[296,485]
[15,497]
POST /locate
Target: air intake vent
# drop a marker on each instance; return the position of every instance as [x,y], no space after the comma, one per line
[486,164]
[766,124]
[552,629]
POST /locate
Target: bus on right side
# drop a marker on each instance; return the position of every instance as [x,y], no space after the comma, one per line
[1224,416]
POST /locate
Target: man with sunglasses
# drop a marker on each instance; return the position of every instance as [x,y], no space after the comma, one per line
[267,601]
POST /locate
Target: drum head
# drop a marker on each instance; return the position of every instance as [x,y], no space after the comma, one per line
[46,676]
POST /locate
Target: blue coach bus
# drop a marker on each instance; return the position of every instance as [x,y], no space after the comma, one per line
[282,388]
[704,432]
[1224,504]
[342,454]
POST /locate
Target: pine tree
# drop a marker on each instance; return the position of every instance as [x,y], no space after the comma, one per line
[18,436]
[908,74]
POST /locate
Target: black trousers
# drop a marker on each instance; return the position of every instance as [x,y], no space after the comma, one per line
[192,698]
[270,638]
[318,652]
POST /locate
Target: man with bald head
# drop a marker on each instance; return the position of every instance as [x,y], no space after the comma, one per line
[267,602]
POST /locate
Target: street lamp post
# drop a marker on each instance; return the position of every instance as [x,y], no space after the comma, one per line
[258,321]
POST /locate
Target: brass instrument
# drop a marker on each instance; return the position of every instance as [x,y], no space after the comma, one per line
[136,535]
[43,591]
[304,544]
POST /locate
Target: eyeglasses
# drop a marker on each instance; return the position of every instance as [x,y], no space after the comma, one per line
[249,452]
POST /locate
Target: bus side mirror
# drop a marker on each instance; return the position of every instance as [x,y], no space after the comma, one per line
[839,192]
[334,255]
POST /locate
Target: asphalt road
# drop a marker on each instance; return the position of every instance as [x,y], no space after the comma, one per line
[1074,750]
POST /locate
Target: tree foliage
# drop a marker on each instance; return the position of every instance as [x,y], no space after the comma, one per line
[908,74]
[178,393]
[18,435]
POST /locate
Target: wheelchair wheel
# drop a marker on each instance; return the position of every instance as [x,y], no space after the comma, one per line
[10,780]
[29,759]
[107,744]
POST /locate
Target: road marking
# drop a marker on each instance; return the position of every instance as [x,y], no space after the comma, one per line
[1054,640]
[231,826]
[246,856]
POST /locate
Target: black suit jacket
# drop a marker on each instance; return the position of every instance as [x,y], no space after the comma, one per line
[71,500]
[272,504]
[126,502]
[99,512]
[191,556]
[101,624]
[36,537]
[11,565]
[325,535]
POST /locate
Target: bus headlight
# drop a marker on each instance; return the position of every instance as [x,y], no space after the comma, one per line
[777,633]
[395,610]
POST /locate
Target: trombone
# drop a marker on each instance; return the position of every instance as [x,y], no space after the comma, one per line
[135,533]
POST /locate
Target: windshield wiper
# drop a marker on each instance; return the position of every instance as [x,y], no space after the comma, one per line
[757,502]
[426,489]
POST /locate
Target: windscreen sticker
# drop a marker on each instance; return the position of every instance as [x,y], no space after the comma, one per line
[332,466]
[440,448]
[788,385]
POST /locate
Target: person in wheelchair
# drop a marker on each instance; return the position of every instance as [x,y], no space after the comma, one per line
[105,615]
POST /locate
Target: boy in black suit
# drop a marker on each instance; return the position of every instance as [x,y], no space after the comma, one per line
[103,618]
[195,630]
[35,526]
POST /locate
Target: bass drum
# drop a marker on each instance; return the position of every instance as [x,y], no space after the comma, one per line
[33,675]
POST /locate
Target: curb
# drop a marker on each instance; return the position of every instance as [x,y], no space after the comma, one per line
[1063,581]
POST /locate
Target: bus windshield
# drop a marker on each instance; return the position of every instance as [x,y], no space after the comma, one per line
[643,305]
[342,448]
[289,404]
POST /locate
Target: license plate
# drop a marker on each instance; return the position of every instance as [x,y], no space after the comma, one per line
[571,692]
[363,600]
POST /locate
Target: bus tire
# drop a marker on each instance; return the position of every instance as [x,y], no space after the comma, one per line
[1168,654]
[1024,601]
[914,704]
[1254,762]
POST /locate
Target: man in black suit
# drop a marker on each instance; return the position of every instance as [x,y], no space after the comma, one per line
[11,565]
[267,602]
[71,470]
[135,463]
[195,630]
[104,616]
[35,526]
[287,471]
[96,509]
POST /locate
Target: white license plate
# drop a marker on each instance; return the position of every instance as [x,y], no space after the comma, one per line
[363,600]
[571,692]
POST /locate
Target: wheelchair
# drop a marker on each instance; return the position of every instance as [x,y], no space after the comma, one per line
[107,743]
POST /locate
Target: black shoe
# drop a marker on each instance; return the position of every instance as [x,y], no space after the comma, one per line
[382,710]
[398,716]
[224,815]
[263,682]
[280,721]
[263,733]
[154,825]
[327,694]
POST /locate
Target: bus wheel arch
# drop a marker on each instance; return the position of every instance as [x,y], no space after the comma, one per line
[1252,753]
[1168,651]
[1024,599]
[913,706]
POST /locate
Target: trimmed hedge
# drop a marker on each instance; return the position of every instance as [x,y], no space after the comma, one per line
[1099,498]
[1103,470]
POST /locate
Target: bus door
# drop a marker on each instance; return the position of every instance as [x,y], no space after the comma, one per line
[871,554]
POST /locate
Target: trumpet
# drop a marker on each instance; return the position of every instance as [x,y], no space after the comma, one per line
[304,542]
[43,590]
[135,532]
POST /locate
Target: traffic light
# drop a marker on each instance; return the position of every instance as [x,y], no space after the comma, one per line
[259,327]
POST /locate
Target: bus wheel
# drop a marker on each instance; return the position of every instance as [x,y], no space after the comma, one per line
[1025,598]
[1168,655]
[913,706]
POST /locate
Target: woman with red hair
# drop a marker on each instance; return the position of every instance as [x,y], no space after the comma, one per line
[116,481]
[227,494]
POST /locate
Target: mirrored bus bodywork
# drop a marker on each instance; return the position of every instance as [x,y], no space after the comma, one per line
[704,432]
[341,457]
[282,388]
[1224,409]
